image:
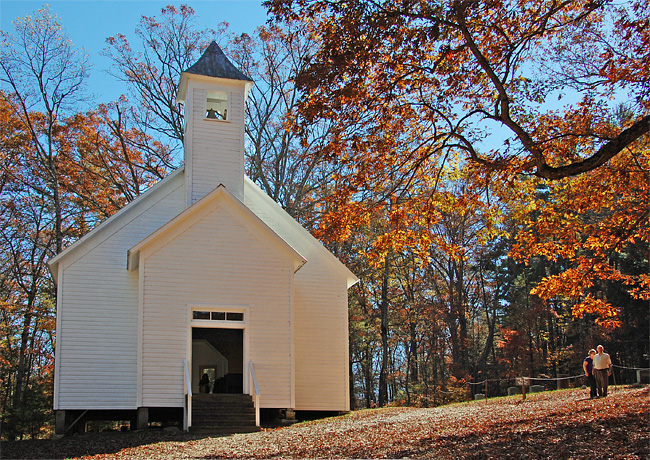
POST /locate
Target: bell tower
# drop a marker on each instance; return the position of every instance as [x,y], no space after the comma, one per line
[214,92]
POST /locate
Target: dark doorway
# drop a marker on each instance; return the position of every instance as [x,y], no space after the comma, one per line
[230,344]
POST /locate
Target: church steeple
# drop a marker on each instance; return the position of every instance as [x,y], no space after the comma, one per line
[214,92]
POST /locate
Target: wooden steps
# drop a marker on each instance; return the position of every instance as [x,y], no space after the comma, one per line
[221,414]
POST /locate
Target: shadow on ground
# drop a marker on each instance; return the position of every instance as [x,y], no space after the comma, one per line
[552,441]
[88,444]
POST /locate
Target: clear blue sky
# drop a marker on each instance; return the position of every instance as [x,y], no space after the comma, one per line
[90,22]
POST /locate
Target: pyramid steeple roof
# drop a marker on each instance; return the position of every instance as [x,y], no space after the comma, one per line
[214,63]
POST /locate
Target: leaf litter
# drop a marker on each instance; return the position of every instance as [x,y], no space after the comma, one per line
[550,425]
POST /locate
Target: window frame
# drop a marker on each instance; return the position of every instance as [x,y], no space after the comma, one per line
[227,109]
[216,309]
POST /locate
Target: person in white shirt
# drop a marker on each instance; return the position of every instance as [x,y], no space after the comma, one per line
[602,370]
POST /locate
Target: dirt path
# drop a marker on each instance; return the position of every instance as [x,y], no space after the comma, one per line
[550,425]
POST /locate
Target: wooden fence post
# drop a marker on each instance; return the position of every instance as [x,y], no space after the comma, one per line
[523,381]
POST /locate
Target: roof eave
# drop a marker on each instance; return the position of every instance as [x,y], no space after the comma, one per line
[181,94]
[53,263]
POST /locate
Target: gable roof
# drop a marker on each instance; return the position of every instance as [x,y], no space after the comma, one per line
[195,212]
[154,193]
[290,230]
[257,203]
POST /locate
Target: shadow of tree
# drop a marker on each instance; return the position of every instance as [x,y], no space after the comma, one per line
[89,444]
[559,440]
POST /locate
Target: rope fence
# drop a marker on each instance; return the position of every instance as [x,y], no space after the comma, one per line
[520,385]
[496,387]
[632,368]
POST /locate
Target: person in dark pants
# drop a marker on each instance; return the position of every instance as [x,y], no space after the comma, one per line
[204,384]
[588,366]
[602,370]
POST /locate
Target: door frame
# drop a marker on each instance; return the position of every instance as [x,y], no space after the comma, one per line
[244,325]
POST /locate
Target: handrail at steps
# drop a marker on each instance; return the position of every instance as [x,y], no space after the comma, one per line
[187,416]
[256,393]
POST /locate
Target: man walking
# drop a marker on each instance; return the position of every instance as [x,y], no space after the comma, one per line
[602,370]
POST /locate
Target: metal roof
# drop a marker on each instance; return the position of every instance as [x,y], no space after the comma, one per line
[214,63]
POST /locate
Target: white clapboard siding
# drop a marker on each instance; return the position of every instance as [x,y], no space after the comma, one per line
[216,149]
[321,329]
[219,258]
[320,311]
[97,317]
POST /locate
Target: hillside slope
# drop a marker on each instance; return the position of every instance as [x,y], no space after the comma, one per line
[549,425]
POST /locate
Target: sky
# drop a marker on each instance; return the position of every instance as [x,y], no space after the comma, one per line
[90,22]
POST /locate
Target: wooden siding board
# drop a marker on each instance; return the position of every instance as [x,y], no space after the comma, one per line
[216,148]
[241,268]
[97,333]
[321,329]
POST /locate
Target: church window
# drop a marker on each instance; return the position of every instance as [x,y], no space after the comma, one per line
[217,315]
[216,106]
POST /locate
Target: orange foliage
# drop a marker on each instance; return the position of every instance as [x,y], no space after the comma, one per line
[441,77]
[423,94]
[590,224]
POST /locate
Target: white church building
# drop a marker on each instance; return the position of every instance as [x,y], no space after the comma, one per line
[203,276]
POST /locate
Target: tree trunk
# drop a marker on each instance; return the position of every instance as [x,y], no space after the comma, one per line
[20,372]
[463,355]
[491,323]
[367,373]
[383,372]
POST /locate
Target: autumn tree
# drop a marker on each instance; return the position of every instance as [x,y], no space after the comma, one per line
[27,315]
[364,344]
[415,84]
[471,69]
[370,303]
[516,98]
[109,163]
[594,226]
[45,74]
[285,164]
[99,169]
[63,173]
[167,45]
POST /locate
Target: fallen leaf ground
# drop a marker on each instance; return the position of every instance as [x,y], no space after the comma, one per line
[550,425]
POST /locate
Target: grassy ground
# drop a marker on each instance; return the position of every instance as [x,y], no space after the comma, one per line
[550,425]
